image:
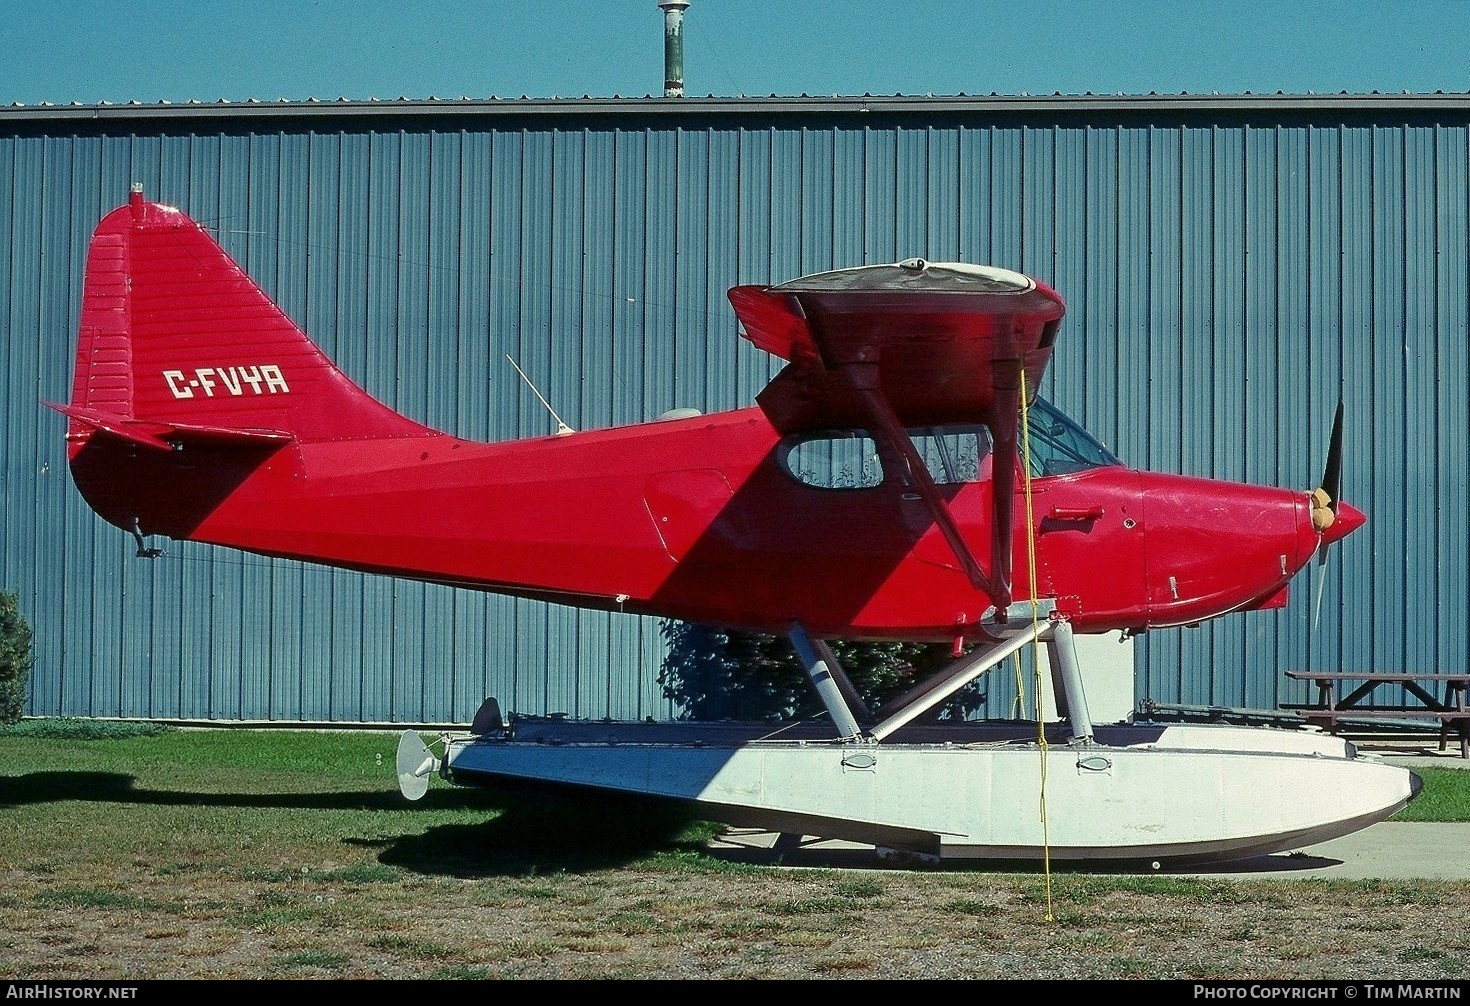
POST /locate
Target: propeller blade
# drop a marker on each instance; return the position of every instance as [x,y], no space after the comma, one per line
[1332,473]
[1321,586]
[1332,488]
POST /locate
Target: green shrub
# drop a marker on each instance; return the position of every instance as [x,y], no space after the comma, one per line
[15,659]
[76,728]
[721,674]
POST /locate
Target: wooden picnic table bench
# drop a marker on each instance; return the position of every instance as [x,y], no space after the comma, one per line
[1451,710]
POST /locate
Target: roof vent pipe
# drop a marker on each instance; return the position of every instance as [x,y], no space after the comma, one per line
[674,46]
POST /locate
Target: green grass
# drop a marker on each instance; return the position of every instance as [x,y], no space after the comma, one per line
[966,906]
[266,802]
[325,959]
[862,888]
[91,897]
[1445,797]
[415,946]
[190,853]
[460,973]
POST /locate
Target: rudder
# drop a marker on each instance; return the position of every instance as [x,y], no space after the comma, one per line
[174,332]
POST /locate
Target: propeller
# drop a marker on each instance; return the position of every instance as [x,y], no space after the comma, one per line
[1325,501]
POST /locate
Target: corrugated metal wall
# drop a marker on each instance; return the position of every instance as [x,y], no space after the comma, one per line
[1227,274]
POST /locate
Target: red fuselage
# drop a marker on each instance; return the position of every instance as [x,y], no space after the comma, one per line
[200,411]
[703,519]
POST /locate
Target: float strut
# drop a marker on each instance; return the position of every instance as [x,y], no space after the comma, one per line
[1061,649]
[829,679]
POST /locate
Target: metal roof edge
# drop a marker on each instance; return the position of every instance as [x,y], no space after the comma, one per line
[711,105]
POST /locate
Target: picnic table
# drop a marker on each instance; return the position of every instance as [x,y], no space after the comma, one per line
[1450,709]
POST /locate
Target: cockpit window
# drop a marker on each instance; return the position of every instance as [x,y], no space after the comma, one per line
[834,459]
[1059,446]
[954,454]
[850,459]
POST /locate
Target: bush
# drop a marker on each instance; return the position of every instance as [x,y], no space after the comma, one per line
[721,674]
[15,659]
[76,728]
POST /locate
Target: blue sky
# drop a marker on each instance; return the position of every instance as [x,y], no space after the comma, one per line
[152,50]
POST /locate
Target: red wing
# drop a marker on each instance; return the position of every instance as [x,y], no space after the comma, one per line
[914,344]
[769,320]
[945,338]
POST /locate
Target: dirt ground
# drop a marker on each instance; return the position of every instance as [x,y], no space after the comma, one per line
[687,917]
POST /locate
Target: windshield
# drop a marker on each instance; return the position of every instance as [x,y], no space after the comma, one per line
[1061,447]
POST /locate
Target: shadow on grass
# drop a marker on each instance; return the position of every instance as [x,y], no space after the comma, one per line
[525,832]
[552,831]
[116,787]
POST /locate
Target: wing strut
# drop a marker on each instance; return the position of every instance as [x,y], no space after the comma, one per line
[1003,423]
[885,425]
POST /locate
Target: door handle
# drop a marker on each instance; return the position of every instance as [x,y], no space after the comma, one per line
[1075,513]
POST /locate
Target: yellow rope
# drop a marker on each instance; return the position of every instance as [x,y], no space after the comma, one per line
[1035,630]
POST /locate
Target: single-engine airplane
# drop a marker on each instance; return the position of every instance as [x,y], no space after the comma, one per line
[879,489]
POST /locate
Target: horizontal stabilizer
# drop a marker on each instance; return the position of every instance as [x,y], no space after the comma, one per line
[161,436]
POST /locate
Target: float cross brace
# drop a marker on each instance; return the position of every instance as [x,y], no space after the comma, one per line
[855,723]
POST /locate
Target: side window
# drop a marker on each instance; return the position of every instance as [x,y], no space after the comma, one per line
[834,459]
[954,454]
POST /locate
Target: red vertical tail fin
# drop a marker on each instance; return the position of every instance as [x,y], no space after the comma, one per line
[189,380]
[174,334]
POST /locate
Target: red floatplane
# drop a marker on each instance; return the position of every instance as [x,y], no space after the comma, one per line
[899,479]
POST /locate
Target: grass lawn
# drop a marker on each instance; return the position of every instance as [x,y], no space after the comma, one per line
[133,852]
